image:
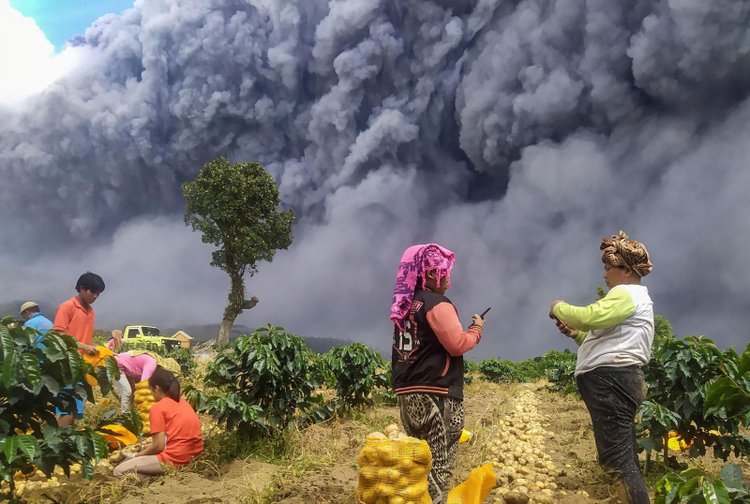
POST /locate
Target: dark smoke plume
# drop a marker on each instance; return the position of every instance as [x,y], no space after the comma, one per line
[515,133]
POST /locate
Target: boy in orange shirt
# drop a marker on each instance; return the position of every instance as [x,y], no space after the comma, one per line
[76,317]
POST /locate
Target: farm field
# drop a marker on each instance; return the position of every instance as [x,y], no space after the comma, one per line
[320,464]
[281,423]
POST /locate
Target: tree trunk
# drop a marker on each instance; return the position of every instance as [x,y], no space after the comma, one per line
[234,307]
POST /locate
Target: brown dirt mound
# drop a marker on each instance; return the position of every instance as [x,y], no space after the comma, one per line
[334,485]
[241,481]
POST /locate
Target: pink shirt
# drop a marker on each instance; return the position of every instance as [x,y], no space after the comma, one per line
[444,322]
[141,366]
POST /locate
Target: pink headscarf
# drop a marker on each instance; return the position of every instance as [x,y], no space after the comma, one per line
[416,262]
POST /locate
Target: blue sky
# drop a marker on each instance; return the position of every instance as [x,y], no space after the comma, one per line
[63,19]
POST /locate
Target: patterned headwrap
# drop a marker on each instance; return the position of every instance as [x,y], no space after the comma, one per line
[619,250]
[416,262]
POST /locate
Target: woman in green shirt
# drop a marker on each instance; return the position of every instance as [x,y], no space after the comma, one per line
[614,337]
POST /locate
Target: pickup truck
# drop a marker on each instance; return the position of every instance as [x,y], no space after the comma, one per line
[136,334]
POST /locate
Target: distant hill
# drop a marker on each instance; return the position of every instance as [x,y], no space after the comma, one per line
[205,332]
[200,333]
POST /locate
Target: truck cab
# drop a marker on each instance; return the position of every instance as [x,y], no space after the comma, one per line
[140,334]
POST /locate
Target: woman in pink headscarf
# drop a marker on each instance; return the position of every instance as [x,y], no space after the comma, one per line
[428,346]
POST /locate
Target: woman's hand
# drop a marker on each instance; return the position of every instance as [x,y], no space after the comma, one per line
[158,442]
[477,320]
[89,349]
[552,307]
[565,328]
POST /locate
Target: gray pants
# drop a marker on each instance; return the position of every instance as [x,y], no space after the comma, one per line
[439,421]
[123,390]
[612,396]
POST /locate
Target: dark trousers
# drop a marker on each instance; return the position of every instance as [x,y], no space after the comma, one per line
[612,396]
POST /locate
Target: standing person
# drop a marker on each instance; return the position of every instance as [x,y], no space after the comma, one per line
[614,336]
[427,357]
[76,317]
[34,319]
[175,429]
[115,341]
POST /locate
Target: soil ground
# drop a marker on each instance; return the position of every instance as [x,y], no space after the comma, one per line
[322,468]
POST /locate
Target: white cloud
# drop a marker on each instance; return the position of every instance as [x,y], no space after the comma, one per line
[28,62]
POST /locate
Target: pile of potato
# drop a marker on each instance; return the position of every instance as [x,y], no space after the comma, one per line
[39,481]
[393,469]
[525,472]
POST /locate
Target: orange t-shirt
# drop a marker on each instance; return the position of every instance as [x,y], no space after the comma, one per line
[72,318]
[182,427]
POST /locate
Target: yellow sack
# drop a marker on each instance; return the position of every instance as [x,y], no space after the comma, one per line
[466,436]
[116,436]
[143,399]
[97,360]
[393,471]
[475,488]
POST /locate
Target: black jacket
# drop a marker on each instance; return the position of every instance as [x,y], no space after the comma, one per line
[420,362]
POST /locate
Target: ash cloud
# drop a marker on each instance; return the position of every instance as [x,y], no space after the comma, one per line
[516,134]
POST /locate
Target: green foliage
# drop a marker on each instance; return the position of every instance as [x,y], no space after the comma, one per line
[383,392]
[499,371]
[352,372]
[662,330]
[693,486]
[729,396]
[33,373]
[552,363]
[234,206]
[264,380]
[562,375]
[680,375]
[471,369]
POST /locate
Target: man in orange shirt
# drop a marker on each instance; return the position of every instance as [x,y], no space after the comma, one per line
[76,317]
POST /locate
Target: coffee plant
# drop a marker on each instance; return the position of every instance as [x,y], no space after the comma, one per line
[695,487]
[352,371]
[261,382]
[729,395]
[679,377]
[499,371]
[31,378]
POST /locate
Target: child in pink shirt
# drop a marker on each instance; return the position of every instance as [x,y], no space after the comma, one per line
[136,368]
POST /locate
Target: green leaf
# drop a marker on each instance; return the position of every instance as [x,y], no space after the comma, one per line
[9,369]
[28,446]
[732,476]
[690,488]
[6,342]
[76,364]
[10,448]
[101,450]
[53,353]
[715,493]
[51,384]
[31,370]
[87,468]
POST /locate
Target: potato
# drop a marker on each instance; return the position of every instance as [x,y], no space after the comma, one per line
[516,498]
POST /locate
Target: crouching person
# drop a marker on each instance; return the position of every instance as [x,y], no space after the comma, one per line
[175,430]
